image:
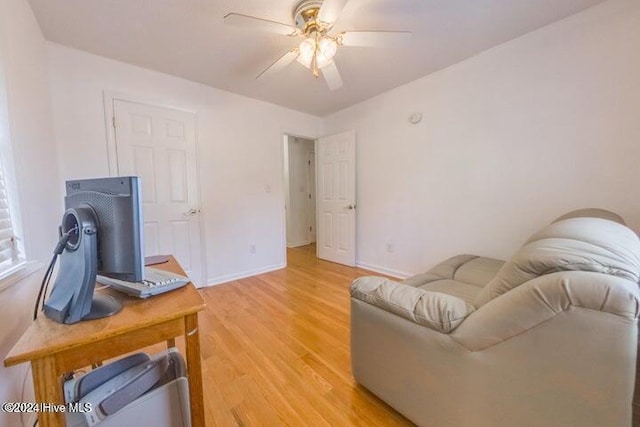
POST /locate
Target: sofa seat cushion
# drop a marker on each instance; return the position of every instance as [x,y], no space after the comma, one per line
[462,276]
[466,292]
[478,271]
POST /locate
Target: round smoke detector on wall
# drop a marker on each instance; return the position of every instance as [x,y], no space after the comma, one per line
[414,118]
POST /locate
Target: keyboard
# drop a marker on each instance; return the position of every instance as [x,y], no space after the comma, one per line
[155,282]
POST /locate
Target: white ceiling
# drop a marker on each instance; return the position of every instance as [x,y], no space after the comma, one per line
[187,38]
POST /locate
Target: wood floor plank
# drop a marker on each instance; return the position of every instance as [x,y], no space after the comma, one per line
[275,350]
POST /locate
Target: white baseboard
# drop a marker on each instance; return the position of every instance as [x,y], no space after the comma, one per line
[383,270]
[295,245]
[218,280]
[241,275]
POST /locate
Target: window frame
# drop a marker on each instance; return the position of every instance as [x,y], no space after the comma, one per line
[22,266]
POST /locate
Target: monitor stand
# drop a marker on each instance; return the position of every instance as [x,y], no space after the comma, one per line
[103,306]
[72,298]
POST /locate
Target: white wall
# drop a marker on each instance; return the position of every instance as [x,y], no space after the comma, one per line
[239,142]
[299,208]
[510,139]
[24,65]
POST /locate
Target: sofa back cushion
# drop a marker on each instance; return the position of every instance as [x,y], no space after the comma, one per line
[592,213]
[579,244]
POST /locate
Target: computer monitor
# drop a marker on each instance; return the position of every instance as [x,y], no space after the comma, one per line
[103,218]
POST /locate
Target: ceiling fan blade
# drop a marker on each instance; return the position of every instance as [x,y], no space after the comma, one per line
[253,23]
[332,76]
[375,38]
[280,63]
[330,10]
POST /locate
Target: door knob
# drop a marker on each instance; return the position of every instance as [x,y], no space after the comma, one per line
[351,207]
[191,212]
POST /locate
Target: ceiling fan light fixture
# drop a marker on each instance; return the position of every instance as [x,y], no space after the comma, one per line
[313,20]
[324,51]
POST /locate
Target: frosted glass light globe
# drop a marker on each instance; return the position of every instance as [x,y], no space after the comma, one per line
[307,49]
[326,51]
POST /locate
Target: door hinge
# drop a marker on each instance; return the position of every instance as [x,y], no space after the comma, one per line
[309,195]
[309,162]
[114,121]
[310,228]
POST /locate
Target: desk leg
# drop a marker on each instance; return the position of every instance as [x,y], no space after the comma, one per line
[48,389]
[192,341]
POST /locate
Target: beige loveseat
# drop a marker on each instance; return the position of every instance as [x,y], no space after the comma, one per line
[548,338]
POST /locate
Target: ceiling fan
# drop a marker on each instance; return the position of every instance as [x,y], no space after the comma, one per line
[313,21]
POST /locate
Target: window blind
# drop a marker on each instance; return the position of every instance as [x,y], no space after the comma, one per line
[11,249]
[9,255]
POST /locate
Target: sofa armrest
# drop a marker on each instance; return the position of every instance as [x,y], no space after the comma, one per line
[543,298]
[438,311]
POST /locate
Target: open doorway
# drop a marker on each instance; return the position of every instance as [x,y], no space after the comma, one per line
[300,190]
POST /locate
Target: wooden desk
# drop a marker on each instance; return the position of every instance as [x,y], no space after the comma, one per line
[54,349]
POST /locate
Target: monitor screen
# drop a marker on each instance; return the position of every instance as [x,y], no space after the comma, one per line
[117,207]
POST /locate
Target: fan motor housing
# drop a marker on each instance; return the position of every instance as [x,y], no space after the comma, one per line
[305,16]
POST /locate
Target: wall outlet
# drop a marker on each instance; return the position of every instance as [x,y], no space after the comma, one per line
[252,248]
[390,247]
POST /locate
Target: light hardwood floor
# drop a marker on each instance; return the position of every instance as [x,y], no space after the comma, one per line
[275,350]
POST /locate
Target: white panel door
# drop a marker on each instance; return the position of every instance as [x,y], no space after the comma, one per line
[336,198]
[158,144]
